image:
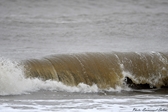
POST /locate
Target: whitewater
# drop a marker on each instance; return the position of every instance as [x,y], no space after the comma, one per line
[82,55]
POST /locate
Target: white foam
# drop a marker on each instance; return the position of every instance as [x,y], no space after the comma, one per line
[114,104]
[12,80]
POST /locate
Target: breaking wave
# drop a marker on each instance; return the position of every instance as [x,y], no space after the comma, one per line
[14,82]
[86,72]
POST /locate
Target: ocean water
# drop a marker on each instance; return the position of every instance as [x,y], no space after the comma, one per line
[84,55]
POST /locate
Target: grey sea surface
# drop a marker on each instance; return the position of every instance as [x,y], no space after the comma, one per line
[30,29]
[38,28]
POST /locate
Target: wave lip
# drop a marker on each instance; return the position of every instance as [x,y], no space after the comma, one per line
[106,70]
[87,68]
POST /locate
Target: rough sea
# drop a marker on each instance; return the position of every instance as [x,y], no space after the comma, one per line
[79,53]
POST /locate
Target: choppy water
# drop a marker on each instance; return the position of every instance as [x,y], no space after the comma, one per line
[34,29]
